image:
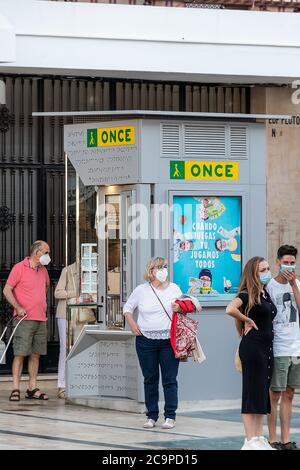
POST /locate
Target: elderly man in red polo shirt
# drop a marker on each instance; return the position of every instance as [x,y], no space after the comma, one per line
[26,291]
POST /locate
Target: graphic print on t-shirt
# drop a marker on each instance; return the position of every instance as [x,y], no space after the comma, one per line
[286,308]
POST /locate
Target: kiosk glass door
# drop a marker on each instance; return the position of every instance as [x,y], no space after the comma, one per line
[115,252]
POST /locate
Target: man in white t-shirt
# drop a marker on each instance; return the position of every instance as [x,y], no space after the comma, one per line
[284,290]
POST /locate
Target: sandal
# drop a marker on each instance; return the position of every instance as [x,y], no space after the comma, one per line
[31,395]
[15,395]
[61,393]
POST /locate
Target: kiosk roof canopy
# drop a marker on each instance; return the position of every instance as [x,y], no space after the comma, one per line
[86,115]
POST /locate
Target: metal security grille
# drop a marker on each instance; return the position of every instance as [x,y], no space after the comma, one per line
[216,99]
[150,96]
[32,166]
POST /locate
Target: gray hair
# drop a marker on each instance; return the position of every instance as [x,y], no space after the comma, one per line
[36,246]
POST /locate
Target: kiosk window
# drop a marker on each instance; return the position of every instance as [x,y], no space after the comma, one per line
[113,267]
[114,315]
[207,245]
[87,214]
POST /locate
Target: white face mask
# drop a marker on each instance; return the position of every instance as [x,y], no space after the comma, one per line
[45,259]
[161,274]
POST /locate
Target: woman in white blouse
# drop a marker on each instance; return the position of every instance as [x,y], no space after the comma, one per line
[154,301]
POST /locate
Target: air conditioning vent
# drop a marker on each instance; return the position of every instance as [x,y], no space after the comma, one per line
[170,140]
[238,142]
[204,141]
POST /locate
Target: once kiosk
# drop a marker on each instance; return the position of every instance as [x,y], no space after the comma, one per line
[188,187]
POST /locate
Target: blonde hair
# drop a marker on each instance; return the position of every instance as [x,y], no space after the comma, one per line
[153,263]
[251,285]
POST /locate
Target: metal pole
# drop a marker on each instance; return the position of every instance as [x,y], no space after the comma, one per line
[66,211]
[78,232]
[66,247]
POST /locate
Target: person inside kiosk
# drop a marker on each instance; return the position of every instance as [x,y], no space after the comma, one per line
[66,294]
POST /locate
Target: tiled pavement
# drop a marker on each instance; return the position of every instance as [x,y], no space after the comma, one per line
[54,425]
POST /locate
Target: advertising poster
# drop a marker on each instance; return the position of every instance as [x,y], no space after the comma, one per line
[207,246]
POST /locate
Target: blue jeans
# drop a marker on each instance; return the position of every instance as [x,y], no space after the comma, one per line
[153,353]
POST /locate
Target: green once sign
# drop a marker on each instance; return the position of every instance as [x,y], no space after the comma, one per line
[177,171]
[92,138]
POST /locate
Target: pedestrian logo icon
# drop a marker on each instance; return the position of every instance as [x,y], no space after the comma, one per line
[177,170]
[92,138]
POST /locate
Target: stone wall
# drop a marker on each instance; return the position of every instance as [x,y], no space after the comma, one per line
[283,183]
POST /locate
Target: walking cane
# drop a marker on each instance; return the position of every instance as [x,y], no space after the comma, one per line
[11,336]
[7,325]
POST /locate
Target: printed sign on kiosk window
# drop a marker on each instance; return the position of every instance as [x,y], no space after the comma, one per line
[207,245]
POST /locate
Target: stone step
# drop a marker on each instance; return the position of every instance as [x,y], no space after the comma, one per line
[45,381]
[119,404]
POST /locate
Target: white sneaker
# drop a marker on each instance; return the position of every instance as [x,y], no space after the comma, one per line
[150,423]
[265,443]
[168,424]
[252,444]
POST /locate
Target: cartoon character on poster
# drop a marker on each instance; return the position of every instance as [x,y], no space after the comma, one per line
[203,285]
[230,241]
[210,208]
[207,245]
[181,244]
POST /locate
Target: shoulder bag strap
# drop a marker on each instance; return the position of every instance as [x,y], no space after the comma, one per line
[160,301]
[165,309]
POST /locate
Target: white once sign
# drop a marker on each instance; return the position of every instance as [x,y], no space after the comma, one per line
[97,165]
